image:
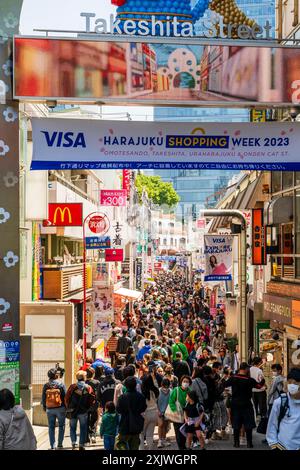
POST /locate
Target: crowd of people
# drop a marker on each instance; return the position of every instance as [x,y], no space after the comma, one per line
[171,365]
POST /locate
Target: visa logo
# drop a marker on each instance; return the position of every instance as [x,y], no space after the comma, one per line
[64,139]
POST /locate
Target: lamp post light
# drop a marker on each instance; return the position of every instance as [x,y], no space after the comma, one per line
[242,324]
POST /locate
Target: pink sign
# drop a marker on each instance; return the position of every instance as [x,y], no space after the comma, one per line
[201,223]
[113,197]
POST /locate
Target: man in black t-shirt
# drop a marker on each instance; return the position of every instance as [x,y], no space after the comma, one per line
[242,408]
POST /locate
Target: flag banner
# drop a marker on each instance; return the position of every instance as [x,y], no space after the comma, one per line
[218,254]
[80,144]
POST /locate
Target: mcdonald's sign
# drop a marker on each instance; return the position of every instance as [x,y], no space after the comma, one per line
[64,215]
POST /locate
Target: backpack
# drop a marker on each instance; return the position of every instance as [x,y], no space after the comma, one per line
[53,397]
[284,407]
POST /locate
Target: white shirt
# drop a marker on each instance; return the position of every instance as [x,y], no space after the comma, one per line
[257,374]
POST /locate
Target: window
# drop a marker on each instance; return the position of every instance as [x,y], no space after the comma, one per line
[287,179]
[165,241]
[276,181]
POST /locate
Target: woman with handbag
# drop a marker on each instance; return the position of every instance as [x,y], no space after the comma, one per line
[174,411]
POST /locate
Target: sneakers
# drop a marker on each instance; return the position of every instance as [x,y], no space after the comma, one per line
[74,445]
[81,448]
[59,448]
[243,441]
[159,444]
[93,440]
[166,443]
[206,441]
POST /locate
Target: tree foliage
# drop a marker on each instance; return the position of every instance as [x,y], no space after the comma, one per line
[158,191]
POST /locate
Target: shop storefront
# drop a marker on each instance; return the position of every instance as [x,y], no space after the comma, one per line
[281,339]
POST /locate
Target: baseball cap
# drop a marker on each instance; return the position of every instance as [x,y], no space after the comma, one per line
[109,371]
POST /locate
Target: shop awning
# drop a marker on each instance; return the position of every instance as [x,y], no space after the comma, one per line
[130,294]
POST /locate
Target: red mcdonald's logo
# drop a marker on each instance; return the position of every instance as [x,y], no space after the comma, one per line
[64,215]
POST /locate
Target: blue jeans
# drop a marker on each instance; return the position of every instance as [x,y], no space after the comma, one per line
[60,415]
[109,442]
[83,426]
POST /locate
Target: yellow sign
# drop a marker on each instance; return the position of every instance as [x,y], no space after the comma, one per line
[62,214]
[258,115]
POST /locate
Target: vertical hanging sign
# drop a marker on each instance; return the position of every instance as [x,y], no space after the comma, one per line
[259,255]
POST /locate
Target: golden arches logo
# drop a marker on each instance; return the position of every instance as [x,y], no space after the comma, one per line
[198,129]
[62,214]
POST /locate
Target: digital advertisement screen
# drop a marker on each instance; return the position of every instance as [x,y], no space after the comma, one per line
[155,74]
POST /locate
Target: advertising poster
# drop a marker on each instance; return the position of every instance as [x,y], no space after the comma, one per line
[98,144]
[10,367]
[154,73]
[101,308]
[218,255]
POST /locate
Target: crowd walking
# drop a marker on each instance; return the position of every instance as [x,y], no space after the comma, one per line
[171,366]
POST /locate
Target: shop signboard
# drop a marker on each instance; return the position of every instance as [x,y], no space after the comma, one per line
[97,243]
[99,224]
[126,180]
[265,146]
[232,75]
[259,252]
[218,256]
[258,115]
[138,276]
[64,215]
[278,308]
[114,254]
[113,197]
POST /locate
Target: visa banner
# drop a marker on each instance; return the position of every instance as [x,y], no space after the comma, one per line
[218,255]
[80,144]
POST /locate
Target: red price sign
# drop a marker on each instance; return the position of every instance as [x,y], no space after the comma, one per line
[99,224]
[113,197]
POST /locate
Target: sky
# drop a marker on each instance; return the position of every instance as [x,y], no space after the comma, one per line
[65,15]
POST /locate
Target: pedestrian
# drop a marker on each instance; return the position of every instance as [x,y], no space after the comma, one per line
[179,347]
[87,364]
[79,399]
[162,404]
[130,356]
[177,403]
[109,426]
[259,395]
[277,386]
[144,350]
[53,396]
[16,432]
[193,415]
[169,374]
[131,406]
[129,371]
[283,430]
[150,390]
[241,403]
[217,343]
[112,344]
[107,387]
[93,416]
[180,366]
[120,365]
[199,387]
[123,342]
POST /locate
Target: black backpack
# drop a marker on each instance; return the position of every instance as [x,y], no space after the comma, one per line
[284,407]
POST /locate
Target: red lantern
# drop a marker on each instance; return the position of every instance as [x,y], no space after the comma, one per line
[118,3]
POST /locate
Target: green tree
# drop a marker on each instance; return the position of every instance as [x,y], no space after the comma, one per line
[158,191]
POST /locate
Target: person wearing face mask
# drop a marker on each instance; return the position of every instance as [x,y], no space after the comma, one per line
[178,401]
[283,432]
[277,386]
[162,403]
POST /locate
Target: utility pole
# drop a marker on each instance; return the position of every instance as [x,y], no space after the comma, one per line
[242,323]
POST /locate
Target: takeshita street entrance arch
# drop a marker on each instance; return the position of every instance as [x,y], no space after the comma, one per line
[9,142]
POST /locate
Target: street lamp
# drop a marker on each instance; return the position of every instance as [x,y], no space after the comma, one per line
[242,336]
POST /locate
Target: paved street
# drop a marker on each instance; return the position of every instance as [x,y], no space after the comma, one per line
[43,442]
